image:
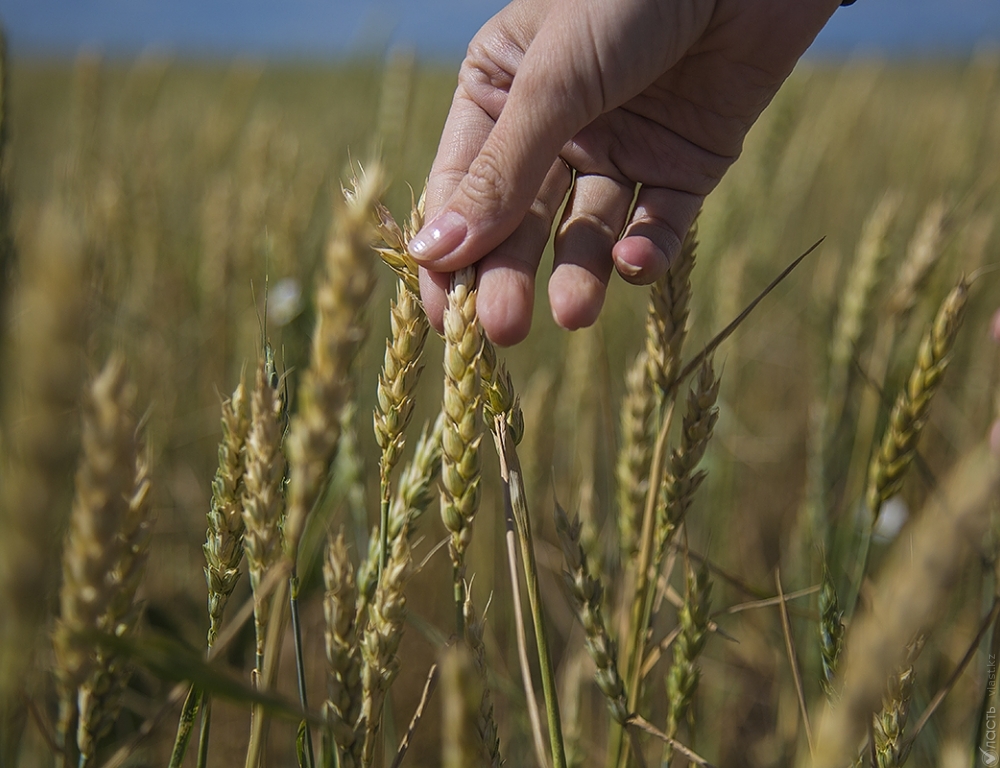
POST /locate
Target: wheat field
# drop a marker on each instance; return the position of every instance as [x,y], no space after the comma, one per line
[775,550]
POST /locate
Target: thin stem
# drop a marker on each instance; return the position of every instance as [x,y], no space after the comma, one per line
[638,721]
[786,628]
[514,496]
[383,546]
[522,643]
[425,697]
[206,727]
[300,669]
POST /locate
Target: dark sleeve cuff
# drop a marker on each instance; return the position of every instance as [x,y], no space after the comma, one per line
[847,2]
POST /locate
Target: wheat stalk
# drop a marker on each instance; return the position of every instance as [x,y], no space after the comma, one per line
[463,430]
[912,407]
[263,498]
[460,710]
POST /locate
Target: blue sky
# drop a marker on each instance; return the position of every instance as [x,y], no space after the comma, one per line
[438,28]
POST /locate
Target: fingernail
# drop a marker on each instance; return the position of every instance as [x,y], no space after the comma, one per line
[627,269]
[439,238]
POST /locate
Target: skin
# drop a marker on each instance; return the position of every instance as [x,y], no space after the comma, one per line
[585,101]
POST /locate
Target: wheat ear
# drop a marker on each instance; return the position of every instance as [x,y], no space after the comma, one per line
[380,643]
[486,723]
[103,560]
[871,252]
[395,392]
[463,428]
[263,500]
[831,632]
[587,593]
[890,749]
[341,295]
[666,318]
[684,674]
[343,654]
[912,407]
[224,539]
[634,456]
[922,253]
[682,478]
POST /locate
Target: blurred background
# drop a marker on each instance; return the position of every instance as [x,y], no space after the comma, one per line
[436,28]
[197,147]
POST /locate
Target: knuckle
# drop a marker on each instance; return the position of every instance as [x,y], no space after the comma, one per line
[485,184]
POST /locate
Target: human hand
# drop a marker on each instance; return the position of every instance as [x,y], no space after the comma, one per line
[657,93]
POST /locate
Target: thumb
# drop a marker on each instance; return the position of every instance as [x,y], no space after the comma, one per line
[551,98]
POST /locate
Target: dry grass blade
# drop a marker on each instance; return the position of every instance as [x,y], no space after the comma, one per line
[911,588]
[637,721]
[793,662]
[429,685]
